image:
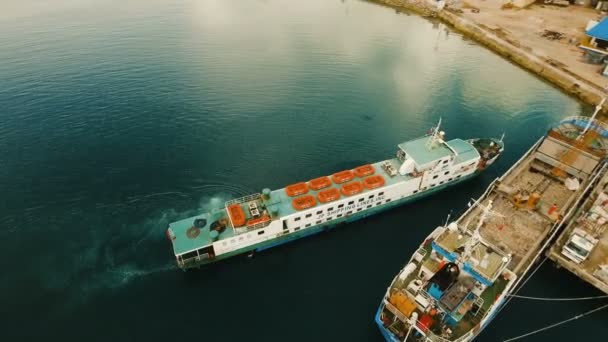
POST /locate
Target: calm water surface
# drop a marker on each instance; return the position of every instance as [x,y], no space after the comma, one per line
[119,117]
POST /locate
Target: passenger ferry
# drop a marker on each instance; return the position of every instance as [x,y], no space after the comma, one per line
[464,272]
[260,221]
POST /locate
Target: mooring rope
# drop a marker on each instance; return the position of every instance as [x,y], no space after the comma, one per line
[557,324]
[558,299]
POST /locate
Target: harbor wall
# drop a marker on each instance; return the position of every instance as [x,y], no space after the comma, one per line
[511,50]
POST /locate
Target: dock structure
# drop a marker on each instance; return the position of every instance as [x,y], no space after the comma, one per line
[582,248]
[464,272]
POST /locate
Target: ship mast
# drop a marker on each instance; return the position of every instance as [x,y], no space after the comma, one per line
[590,122]
[435,133]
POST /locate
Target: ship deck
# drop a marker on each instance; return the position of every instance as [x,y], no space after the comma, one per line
[590,269]
[521,229]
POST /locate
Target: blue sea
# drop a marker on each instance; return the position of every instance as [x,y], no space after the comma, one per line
[118,117]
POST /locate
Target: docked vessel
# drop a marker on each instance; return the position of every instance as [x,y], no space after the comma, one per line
[464,272]
[259,221]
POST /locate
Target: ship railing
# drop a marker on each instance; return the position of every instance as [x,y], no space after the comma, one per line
[595,124]
[259,225]
[395,311]
[247,198]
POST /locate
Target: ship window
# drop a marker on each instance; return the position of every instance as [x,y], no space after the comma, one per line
[435,176]
[319,212]
[308,215]
[329,218]
[378,203]
[432,185]
[351,202]
[318,222]
[361,199]
[350,212]
[297,219]
[341,205]
[308,225]
[339,215]
[260,232]
[189,255]
[415,191]
[330,208]
[458,176]
[449,180]
[381,193]
[359,209]
[441,182]
[388,200]
[371,196]
[369,206]
[445,161]
[296,229]
[285,225]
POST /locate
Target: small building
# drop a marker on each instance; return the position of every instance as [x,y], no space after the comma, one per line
[595,44]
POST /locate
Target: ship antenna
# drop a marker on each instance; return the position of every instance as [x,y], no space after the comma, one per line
[433,138]
[597,110]
[447,219]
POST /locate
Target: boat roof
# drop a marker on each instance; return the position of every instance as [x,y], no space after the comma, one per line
[418,151]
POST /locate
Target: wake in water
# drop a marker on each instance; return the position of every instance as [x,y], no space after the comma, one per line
[111,255]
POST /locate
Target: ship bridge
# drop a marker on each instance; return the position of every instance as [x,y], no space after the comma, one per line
[424,153]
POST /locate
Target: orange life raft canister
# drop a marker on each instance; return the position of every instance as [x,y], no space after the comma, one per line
[328,195]
[319,183]
[303,202]
[342,176]
[296,189]
[373,182]
[237,215]
[351,188]
[364,170]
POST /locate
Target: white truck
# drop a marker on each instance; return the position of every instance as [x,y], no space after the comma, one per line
[579,245]
[589,227]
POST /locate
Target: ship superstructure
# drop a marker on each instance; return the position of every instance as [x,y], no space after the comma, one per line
[464,271]
[259,221]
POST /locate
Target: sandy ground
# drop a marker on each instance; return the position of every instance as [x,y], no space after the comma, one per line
[525,26]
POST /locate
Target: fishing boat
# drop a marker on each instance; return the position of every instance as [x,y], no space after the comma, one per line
[259,221]
[467,270]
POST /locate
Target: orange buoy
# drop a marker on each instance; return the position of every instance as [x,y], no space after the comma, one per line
[364,170]
[264,218]
[319,183]
[351,188]
[373,182]
[328,195]
[296,189]
[303,202]
[237,215]
[342,176]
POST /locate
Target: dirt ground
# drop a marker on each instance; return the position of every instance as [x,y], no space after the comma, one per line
[526,26]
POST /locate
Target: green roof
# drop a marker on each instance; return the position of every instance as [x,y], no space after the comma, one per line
[465,151]
[417,150]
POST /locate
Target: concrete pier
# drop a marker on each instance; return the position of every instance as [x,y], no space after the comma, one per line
[514,51]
